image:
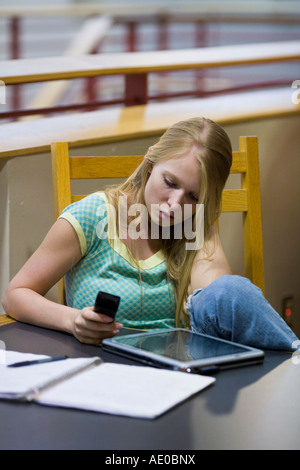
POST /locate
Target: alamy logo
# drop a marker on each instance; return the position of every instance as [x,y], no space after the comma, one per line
[296,93]
[133,221]
[2,92]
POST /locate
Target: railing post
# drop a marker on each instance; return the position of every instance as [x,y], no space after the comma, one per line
[162,34]
[15,54]
[201,41]
[136,89]
[131,37]
[91,84]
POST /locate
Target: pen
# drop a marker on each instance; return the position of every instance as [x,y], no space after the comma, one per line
[38,361]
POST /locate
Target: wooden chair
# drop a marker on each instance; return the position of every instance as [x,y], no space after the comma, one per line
[245,200]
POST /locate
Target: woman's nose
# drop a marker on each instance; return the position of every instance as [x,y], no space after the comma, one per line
[176,198]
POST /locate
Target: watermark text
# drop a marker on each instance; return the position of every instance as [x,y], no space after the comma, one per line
[135,222]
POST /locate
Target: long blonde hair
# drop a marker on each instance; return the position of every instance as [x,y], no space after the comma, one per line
[214,153]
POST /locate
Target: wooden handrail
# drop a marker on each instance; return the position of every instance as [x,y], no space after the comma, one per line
[56,68]
[109,125]
[203,8]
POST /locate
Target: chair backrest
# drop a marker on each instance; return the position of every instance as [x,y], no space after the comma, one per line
[246,199]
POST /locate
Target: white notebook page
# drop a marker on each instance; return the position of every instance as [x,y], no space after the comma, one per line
[136,391]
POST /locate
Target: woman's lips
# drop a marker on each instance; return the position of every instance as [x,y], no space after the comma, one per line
[166,215]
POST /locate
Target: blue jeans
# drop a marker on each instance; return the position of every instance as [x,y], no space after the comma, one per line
[233,308]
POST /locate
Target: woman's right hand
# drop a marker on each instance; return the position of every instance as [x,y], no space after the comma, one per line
[90,327]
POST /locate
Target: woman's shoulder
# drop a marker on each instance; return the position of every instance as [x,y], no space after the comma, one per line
[96,198]
[87,205]
[88,216]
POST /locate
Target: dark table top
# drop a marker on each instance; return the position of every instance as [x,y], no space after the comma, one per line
[253,407]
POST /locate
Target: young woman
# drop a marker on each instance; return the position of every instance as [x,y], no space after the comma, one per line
[135,241]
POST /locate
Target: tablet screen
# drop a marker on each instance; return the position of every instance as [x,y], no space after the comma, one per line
[181,345]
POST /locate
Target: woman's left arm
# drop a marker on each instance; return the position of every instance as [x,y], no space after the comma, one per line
[210,263]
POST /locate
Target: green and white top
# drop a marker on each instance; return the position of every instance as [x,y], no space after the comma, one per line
[147,294]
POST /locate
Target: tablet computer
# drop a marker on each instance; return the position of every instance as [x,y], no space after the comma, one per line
[183,350]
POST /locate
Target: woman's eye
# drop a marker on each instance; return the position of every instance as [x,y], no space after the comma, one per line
[169,183]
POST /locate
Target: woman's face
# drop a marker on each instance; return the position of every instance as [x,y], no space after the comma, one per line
[172,190]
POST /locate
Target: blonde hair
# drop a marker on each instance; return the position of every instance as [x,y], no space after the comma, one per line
[214,153]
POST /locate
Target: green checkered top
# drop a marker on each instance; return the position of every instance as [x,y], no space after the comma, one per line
[147,295]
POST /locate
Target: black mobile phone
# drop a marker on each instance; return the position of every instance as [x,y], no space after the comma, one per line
[107,304]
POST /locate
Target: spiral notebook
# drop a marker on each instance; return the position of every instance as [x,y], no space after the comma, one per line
[90,384]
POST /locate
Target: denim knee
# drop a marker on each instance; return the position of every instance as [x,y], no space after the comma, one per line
[208,305]
[233,308]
